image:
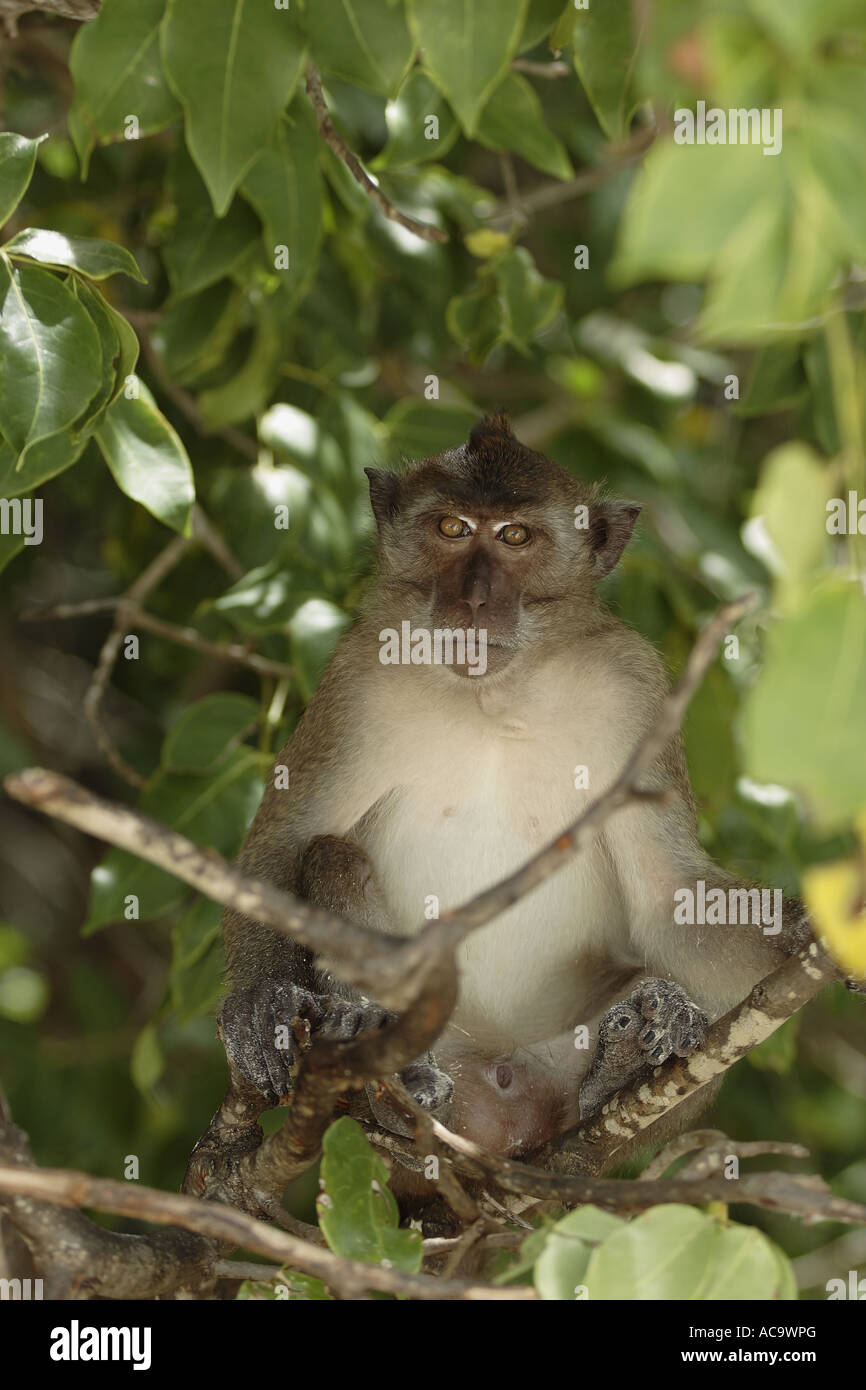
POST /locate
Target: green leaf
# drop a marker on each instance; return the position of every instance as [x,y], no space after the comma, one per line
[513,120]
[604,56]
[207,730]
[195,331]
[745,1266]
[248,391]
[406,118]
[214,810]
[685,203]
[147,1062]
[202,248]
[43,460]
[17,158]
[233,64]
[561,1266]
[357,1211]
[147,458]
[478,322]
[790,507]
[360,41]
[285,188]
[109,342]
[197,986]
[531,301]
[803,719]
[116,65]
[195,932]
[52,360]
[777,381]
[314,631]
[667,1253]
[466,47]
[91,256]
[541,19]
[420,429]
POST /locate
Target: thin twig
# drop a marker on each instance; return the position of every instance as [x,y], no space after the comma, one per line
[552,194]
[551,71]
[332,137]
[184,636]
[148,580]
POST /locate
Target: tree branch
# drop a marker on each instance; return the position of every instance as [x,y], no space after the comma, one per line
[332,137]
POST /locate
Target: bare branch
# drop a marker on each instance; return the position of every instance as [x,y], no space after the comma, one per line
[332,137]
[225,1224]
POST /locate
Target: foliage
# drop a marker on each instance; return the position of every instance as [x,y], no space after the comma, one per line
[688,323]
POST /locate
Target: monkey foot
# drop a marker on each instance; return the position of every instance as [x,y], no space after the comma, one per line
[656,1021]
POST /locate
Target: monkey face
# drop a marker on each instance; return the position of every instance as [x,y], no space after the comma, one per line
[493,539]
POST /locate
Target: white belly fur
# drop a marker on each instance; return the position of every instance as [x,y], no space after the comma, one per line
[474,797]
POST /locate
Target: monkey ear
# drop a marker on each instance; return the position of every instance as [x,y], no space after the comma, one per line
[384,494]
[610,528]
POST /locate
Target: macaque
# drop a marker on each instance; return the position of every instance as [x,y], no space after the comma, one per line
[414,780]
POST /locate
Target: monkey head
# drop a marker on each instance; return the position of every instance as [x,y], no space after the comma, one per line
[496,538]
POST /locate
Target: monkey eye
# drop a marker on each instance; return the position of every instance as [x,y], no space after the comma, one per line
[514,534]
[453,527]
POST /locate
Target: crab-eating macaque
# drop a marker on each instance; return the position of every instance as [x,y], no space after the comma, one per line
[423,772]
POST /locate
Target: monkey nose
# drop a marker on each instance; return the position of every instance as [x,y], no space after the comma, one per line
[475,597]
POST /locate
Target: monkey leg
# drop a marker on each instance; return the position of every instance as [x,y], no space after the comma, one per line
[652,1023]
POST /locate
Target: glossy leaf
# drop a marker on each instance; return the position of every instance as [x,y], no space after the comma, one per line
[147,458]
[91,256]
[207,730]
[285,188]
[115,62]
[357,1211]
[233,65]
[513,120]
[604,56]
[360,41]
[17,158]
[52,360]
[466,47]
[203,249]
[411,138]
[42,461]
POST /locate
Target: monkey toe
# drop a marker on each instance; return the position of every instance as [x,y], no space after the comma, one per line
[674,1025]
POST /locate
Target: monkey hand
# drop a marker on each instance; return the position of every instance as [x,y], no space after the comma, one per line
[656,1021]
[266,1029]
